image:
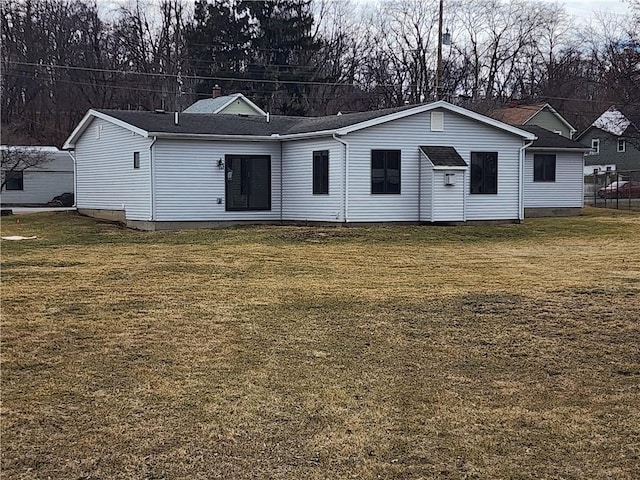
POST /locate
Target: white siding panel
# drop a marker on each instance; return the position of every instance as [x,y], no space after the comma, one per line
[566,191]
[42,183]
[407,134]
[448,200]
[188,181]
[426,193]
[105,175]
[299,202]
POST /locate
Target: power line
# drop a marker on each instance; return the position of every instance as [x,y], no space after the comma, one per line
[187,77]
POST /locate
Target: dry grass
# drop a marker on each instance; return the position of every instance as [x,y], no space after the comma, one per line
[500,352]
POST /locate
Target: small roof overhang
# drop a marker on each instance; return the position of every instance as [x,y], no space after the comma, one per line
[443,157]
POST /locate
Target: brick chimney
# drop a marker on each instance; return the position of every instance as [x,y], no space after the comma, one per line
[216,91]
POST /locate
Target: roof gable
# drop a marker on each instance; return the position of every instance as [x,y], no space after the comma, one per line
[521,114]
[440,104]
[88,118]
[219,104]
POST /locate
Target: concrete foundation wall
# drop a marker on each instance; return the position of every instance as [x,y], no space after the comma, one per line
[110,215]
[552,212]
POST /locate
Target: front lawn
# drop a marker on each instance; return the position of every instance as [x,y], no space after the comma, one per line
[493,352]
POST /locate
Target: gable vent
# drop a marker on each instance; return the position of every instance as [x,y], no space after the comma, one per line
[437,121]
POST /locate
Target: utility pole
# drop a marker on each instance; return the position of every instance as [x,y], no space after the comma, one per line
[439,65]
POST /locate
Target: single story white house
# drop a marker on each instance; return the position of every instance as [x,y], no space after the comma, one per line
[427,163]
[35,182]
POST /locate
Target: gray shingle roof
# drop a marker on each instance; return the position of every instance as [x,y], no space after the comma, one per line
[443,156]
[200,123]
[203,124]
[549,139]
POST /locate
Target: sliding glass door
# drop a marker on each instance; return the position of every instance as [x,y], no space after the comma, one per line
[248,182]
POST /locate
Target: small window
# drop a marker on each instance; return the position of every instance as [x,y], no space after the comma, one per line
[484,172]
[595,146]
[544,168]
[136,159]
[622,146]
[14,180]
[385,171]
[321,172]
[98,131]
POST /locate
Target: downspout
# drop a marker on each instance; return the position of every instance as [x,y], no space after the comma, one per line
[345,179]
[419,185]
[151,182]
[75,178]
[281,179]
[521,181]
[464,196]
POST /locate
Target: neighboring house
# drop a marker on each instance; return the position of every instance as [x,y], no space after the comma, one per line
[236,103]
[540,114]
[614,139]
[427,163]
[39,184]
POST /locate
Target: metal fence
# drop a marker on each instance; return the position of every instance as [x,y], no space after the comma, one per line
[619,189]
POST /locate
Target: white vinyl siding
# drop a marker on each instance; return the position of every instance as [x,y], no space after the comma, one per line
[106,179]
[448,200]
[407,134]
[566,191]
[42,183]
[188,181]
[238,106]
[426,190]
[299,203]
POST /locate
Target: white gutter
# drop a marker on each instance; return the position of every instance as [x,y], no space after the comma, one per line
[556,149]
[249,138]
[151,182]
[75,178]
[207,136]
[345,180]
[521,180]
[320,133]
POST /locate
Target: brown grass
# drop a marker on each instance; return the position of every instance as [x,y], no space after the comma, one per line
[502,352]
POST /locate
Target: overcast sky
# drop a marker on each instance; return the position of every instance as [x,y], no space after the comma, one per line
[583,9]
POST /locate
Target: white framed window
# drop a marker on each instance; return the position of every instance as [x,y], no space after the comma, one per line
[622,146]
[595,146]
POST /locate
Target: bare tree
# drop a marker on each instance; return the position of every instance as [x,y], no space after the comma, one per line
[16,160]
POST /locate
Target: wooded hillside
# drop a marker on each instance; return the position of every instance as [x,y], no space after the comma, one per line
[305,57]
